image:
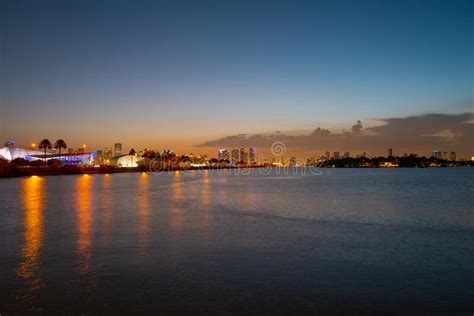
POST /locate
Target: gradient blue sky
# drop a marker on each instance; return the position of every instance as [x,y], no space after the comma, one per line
[176,73]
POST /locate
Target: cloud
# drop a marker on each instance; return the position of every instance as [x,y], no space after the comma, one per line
[419,134]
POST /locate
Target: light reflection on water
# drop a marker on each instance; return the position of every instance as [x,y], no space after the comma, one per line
[32,196]
[106,208]
[84,221]
[143,204]
[177,211]
[206,201]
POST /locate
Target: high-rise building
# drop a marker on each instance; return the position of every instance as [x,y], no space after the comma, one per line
[252,154]
[235,156]
[444,155]
[107,154]
[246,157]
[223,154]
[99,157]
[436,154]
[336,155]
[346,155]
[389,152]
[117,149]
[243,155]
[452,156]
[327,155]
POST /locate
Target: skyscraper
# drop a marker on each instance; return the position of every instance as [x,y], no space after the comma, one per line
[389,152]
[107,154]
[252,154]
[117,149]
[223,154]
[235,155]
[99,157]
[336,155]
[452,156]
[243,157]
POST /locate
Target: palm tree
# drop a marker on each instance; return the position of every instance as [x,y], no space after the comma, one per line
[45,144]
[131,153]
[60,144]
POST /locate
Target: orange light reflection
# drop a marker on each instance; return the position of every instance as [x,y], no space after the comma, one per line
[33,196]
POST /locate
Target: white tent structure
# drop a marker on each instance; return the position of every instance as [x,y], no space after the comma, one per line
[10,153]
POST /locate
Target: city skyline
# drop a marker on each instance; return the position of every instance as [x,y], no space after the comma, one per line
[421,135]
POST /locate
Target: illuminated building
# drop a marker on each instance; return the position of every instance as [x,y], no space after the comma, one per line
[245,158]
[31,155]
[452,156]
[117,149]
[125,161]
[99,157]
[278,161]
[252,154]
[108,153]
[223,154]
[388,164]
[346,155]
[327,155]
[235,155]
[436,154]
[444,155]
[336,155]
[10,152]
[243,155]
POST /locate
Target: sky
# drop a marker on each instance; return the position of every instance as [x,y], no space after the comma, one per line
[190,75]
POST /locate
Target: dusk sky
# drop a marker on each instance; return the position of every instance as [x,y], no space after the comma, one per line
[178,74]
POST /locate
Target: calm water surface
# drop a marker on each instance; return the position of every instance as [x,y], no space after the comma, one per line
[351,241]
